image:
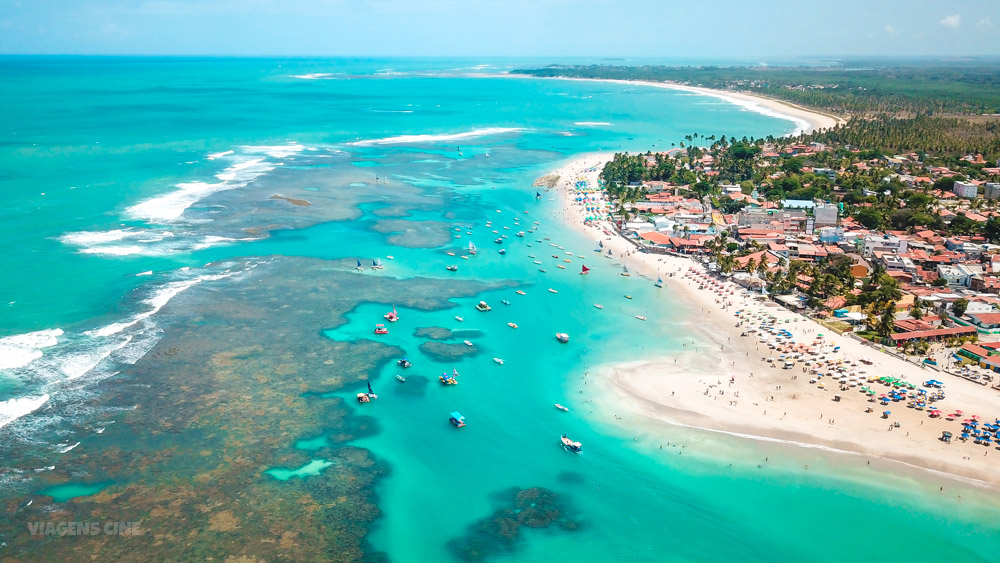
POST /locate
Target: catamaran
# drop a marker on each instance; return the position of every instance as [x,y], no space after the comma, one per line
[392,316]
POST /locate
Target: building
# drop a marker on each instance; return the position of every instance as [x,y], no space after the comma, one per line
[831,235]
[992,190]
[966,190]
[883,243]
[826,215]
[830,173]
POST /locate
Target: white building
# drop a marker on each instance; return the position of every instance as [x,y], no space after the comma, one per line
[883,243]
[826,214]
[966,190]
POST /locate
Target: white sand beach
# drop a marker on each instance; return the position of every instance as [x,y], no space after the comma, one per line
[722,381]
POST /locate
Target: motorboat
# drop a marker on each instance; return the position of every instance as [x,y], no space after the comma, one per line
[400,378]
[519,292]
[503,251]
[640,317]
[467,342]
[562,408]
[482,306]
[498,360]
[498,240]
[451,268]
[562,337]
[505,302]
[512,325]
[552,290]
[628,297]
[570,445]
[380,329]
[404,363]
[598,306]
[457,419]
[458,318]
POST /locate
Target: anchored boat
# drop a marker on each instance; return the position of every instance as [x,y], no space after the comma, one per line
[570,445]
[457,419]
[562,337]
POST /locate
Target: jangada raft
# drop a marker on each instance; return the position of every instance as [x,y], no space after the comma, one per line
[570,445]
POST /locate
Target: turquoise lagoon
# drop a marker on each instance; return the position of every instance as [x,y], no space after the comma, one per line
[124,177]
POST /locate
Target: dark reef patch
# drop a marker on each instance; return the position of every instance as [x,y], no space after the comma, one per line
[517,509]
[443,352]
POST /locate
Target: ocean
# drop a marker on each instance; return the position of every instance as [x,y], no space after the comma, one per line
[185,324]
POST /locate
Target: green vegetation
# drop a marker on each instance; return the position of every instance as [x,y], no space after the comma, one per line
[855,87]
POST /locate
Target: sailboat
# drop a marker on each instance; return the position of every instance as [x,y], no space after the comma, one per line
[624,271]
[600,246]
[377,264]
[472,248]
[585,270]
[359,267]
[659,282]
[538,195]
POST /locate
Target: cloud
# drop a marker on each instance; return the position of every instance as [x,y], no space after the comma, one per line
[985,23]
[891,31]
[952,21]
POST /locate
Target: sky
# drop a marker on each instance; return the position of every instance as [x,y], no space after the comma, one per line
[689,29]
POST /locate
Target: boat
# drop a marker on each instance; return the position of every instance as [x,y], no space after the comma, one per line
[390,257]
[512,325]
[400,378]
[600,246]
[467,342]
[448,379]
[498,360]
[624,271]
[560,266]
[567,261]
[472,248]
[505,302]
[562,337]
[585,270]
[538,262]
[598,306]
[538,195]
[519,234]
[459,319]
[552,290]
[519,292]
[369,396]
[376,264]
[482,306]
[498,240]
[380,329]
[391,316]
[404,363]
[542,270]
[451,268]
[359,266]
[558,406]
[628,297]
[640,317]
[503,251]
[457,419]
[570,445]
[450,253]
[659,282]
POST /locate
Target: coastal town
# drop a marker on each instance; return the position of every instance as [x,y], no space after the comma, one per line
[893,258]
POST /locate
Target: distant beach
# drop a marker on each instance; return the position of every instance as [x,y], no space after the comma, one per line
[724,383]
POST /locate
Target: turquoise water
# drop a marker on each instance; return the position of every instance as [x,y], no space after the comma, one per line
[162,166]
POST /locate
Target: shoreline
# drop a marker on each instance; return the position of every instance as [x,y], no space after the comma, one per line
[694,389]
[806,120]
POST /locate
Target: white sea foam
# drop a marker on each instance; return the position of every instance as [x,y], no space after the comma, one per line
[414,139]
[64,448]
[274,151]
[591,123]
[314,76]
[13,409]
[219,155]
[22,349]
